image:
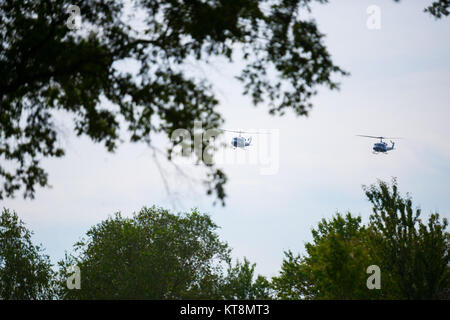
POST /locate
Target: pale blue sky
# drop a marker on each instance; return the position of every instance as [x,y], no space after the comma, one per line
[399,86]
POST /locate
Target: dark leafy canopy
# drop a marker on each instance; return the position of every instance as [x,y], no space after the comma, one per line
[25,272]
[439,8]
[339,256]
[159,255]
[334,266]
[48,68]
[153,255]
[240,283]
[414,256]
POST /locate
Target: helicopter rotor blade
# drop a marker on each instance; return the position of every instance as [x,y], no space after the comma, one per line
[248,132]
[360,135]
[374,137]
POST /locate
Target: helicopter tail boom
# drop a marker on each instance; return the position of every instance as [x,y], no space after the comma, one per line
[392,145]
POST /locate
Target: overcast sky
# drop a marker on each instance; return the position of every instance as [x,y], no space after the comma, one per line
[399,86]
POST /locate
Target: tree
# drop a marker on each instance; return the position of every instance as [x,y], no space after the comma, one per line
[334,266]
[25,272]
[294,281]
[240,283]
[413,256]
[48,68]
[439,8]
[153,255]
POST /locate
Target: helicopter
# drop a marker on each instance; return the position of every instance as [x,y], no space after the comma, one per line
[240,141]
[381,146]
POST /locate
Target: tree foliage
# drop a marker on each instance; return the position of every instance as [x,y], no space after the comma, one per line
[294,279]
[25,272]
[48,69]
[153,255]
[334,266]
[414,256]
[159,255]
[240,283]
[439,8]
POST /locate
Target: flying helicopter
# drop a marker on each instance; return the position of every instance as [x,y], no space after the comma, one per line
[240,141]
[381,146]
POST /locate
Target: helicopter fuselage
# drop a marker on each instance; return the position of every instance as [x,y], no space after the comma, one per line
[382,147]
[240,142]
